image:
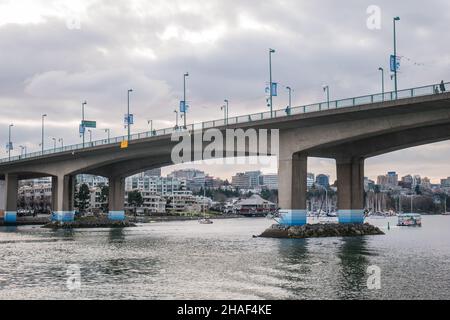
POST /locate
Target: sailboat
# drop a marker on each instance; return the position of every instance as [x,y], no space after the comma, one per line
[204,220]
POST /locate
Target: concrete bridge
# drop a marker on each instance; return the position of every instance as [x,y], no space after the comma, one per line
[349,131]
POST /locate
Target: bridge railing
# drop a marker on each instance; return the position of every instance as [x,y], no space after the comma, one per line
[342,103]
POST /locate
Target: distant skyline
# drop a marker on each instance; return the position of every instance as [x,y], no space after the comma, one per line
[57,54]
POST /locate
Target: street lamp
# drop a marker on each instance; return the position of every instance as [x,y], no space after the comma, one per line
[395,56]
[382,81]
[62,142]
[22,149]
[42,143]
[54,144]
[270,81]
[327,90]
[9,142]
[225,107]
[108,131]
[82,118]
[184,97]
[150,122]
[128,114]
[176,119]
[290,96]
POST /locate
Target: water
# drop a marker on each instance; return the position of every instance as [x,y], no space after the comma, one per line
[186,260]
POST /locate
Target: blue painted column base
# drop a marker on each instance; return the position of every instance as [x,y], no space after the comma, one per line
[116,215]
[293,217]
[351,216]
[63,216]
[10,217]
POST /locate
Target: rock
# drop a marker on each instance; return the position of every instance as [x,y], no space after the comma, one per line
[321,230]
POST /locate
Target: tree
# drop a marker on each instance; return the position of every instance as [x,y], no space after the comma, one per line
[82,197]
[135,199]
[104,194]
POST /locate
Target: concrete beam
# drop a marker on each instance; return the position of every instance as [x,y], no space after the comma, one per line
[116,198]
[10,198]
[350,181]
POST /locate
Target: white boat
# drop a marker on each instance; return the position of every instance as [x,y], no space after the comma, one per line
[332,214]
[446,213]
[409,220]
[205,221]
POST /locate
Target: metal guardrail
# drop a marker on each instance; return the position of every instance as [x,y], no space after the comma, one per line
[336,104]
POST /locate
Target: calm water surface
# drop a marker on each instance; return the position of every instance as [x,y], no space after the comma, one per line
[186,260]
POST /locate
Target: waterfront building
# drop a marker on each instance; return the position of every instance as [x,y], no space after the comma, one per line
[241,181]
[309,179]
[269,181]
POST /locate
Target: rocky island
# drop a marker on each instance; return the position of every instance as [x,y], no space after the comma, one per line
[89,222]
[321,230]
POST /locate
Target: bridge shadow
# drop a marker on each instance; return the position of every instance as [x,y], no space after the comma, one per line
[351,276]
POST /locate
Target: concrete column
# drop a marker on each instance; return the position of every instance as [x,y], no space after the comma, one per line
[62,198]
[350,180]
[116,198]
[292,174]
[10,198]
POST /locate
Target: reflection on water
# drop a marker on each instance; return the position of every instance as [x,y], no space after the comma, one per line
[186,260]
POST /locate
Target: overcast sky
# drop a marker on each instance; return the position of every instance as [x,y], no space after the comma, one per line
[56,54]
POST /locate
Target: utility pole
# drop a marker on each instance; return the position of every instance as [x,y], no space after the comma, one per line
[82,119]
[395,56]
[128,115]
[270,81]
[184,97]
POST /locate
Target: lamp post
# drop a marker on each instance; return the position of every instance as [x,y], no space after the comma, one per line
[327,90]
[42,142]
[9,141]
[22,149]
[176,119]
[54,144]
[290,96]
[184,96]
[395,56]
[108,133]
[225,107]
[128,114]
[382,81]
[62,142]
[82,118]
[150,122]
[270,81]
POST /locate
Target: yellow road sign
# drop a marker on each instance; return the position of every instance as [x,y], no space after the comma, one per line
[124,144]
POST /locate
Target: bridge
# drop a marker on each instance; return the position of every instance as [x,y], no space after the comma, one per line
[349,131]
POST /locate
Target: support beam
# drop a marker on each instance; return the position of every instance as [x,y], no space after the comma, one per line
[62,198]
[10,198]
[350,180]
[292,173]
[116,198]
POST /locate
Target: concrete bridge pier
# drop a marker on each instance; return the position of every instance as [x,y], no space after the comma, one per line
[116,198]
[292,172]
[350,180]
[10,198]
[62,198]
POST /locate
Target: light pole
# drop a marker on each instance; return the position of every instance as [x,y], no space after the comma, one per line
[176,119]
[184,97]
[54,144]
[128,114]
[290,96]
[270,81]
[22,149]
[327,90]
[395,56]
[150,122]
[82,118]
[9,141]
[62,142]
[108,132]
[226,110]
[382,81]
[42,142]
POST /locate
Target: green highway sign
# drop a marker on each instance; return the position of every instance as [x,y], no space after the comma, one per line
[89,124]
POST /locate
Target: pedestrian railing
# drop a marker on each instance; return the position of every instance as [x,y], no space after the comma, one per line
[317,107]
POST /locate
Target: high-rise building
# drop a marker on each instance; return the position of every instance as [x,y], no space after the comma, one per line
[241,181]
[254,178]
[270,181]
